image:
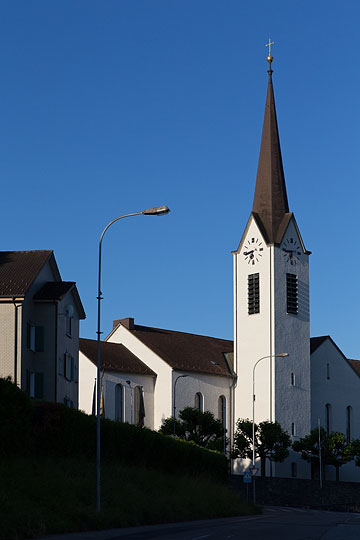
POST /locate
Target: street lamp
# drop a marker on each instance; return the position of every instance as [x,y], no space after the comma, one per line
[280,355]
[174,408]
[157,211]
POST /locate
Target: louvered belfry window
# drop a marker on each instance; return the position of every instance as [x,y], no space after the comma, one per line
[253,294]
[292,303]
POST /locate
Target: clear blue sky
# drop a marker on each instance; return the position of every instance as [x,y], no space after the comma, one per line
[110,107]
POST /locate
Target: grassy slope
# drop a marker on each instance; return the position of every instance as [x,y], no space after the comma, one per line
[50,495]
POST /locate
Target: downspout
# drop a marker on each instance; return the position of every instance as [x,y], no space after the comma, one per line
[271,333]
[56,350]
[235,370]
[16,322]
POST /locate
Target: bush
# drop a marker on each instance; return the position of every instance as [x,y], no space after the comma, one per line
[15,419]
[51,429]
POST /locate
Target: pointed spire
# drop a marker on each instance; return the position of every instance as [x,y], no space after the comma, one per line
[270,199]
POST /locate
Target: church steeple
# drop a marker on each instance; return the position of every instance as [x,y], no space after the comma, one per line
[270,199]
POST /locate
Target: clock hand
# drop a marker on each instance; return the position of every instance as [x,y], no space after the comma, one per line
[248,252]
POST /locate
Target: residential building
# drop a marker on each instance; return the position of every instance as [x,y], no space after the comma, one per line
[39,321]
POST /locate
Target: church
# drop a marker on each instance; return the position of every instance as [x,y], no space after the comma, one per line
[272,369]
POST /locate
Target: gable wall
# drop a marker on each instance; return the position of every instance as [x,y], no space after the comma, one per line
[162,391]
[340,390]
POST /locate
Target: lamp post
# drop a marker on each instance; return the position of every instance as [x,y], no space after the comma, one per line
[174,407]
[157,211]
[280,355]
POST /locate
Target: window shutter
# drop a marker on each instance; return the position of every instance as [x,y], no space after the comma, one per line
[28,380]
[28,335]
[39,338]
[61,366]
[71,358]
[39,385]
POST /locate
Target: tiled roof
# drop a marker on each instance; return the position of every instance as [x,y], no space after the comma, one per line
[18,269]
[114,357]
[185,352]
[54,290]
[355,364]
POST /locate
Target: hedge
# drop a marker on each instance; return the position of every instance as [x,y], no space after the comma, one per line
[51,429]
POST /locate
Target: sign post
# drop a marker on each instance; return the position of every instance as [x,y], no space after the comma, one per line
[254,471]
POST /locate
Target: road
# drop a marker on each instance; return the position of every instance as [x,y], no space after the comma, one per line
[276,523]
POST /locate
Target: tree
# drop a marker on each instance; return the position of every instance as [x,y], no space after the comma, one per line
[271,442]
[355,451]
[335,449]
[200,427]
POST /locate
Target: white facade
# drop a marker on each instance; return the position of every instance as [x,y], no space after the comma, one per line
[335,399]
[111,381]
[162,390]
[282,385]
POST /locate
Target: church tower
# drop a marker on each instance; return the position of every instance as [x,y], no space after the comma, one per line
[271,301]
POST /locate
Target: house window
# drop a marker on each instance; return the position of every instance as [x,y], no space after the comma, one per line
[119,403]
[199,401]
[293,430]
[253,294]
[293,379]
[348,422]
[69,325]
[328,414]
[35,337]
[35,384]
[292,294]
[328,371]
[293,470]
[69,403]
[69,365]
[222,410]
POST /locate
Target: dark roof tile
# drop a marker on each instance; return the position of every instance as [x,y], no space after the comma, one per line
[18,269]
[185,352]
[54,290]
[114,357]
[355,364]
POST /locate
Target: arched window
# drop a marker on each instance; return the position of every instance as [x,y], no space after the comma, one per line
[328,418]
[139,407]
[119,403]
[222,410]
[348,422]
[199,401]
[136,404]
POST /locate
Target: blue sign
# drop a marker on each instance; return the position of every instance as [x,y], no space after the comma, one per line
[247,478]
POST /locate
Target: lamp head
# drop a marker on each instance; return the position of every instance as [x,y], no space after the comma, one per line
[157,211]
[282,355]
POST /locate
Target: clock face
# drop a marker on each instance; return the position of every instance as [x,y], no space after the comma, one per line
[292,250]
[253,249]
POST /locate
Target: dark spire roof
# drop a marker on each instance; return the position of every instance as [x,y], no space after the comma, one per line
[270,200]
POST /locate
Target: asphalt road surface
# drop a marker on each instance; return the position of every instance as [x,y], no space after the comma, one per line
[276,523]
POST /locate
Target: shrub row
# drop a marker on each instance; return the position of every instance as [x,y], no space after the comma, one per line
[51,429]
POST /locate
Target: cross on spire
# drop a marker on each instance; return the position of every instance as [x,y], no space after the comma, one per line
[269,58]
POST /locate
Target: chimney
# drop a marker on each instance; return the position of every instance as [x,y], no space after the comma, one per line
[128,323]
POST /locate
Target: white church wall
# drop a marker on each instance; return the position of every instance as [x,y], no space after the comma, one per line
[292,335]
[252,332]
[210,386]
[129,381]
[162,391]
[87,377]
[334,382]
